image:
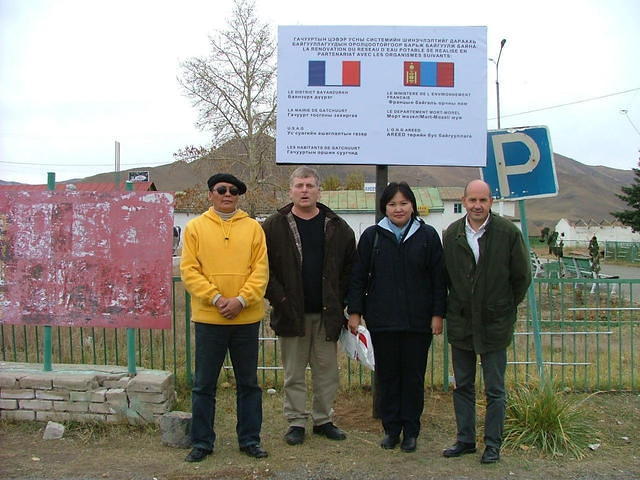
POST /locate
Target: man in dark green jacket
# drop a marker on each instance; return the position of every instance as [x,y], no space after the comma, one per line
[488,273]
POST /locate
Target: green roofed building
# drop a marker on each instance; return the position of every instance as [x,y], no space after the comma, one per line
[437,206]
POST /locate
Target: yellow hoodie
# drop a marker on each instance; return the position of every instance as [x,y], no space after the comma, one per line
[227,258]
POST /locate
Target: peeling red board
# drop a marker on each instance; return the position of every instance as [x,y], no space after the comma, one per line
[73,258]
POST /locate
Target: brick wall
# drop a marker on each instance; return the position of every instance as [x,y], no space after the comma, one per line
[84,393]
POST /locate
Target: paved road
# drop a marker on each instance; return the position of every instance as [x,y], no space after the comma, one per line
[622,271]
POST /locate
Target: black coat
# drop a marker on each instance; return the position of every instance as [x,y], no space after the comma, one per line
[285,289]
[407,286]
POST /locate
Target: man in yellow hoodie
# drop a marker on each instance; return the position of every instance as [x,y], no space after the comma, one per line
[224,267]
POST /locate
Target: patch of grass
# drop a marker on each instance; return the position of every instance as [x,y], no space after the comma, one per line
[95,431]
[545,419]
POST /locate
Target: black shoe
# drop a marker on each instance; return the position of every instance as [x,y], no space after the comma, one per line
[330,431]
[460,448]
[197,454]
[294,436]
[255,451]
[408,444]
[389,442]
[490,455]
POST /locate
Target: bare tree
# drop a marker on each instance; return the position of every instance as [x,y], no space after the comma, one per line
[233,89]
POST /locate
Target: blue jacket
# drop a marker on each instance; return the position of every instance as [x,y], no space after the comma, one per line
[407,285]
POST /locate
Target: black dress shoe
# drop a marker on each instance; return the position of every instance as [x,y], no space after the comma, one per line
[330,431]
[255,451]
[408,444]
[460,448]
[197,454]
[294,436]
[490,455]
[389,442]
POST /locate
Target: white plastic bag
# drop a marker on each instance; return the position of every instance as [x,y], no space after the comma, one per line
[358,346]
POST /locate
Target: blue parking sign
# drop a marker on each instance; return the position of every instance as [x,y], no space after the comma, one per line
[520,164]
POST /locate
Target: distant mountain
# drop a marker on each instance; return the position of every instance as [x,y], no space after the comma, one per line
[584,191]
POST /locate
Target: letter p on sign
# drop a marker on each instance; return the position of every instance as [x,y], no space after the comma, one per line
[520,164]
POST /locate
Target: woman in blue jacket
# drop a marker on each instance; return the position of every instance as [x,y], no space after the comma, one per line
[398,287]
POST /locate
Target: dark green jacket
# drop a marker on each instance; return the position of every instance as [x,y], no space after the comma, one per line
[285,289]
[483,298]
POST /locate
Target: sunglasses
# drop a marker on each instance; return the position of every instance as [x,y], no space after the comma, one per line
[223,190]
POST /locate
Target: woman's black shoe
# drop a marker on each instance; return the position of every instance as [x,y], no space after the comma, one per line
[408,444]
[389,442]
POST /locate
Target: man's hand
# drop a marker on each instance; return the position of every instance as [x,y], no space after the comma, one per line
[229,308]
[436,325]
[355,319]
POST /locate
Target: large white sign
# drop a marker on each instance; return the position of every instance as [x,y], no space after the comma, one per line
[382,95]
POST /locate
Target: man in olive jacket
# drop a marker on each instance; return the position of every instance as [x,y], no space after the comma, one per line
[488,273]
[311,252]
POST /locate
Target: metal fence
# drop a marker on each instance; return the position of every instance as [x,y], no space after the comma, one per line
[617,251]
[590,335]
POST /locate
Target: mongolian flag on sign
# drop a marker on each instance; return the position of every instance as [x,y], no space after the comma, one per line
[334,73]
[428,74]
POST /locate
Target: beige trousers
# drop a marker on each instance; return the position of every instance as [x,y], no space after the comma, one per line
[321,355]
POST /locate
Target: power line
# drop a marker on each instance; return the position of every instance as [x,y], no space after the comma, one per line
[569,103]
[82,164]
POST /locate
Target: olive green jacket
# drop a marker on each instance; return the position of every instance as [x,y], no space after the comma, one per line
[483,298]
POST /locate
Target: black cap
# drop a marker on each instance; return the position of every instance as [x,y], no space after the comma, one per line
[227,178]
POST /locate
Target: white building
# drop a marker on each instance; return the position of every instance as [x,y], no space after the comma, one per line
[605,231]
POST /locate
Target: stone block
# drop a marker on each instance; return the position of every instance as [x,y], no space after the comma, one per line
[8,404]
[148,397]
[87,417]
[42,381]
[53,416]
[154,381]
[18,415]
[76,381]
[101,408]
[55,395]
[176,429]
[8,379]
[121,383]
[80,396]
[139,417]
[35,404]
[99,395]
[117,398]
[71,406]
[19,394]
[103,378]
[53,431]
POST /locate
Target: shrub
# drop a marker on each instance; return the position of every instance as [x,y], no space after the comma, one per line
[543,418]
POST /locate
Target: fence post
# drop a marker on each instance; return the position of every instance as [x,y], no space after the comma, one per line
[51,185]
[531,296]
[131,333]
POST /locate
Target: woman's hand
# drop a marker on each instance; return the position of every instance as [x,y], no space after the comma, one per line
[355,319]
[436,325]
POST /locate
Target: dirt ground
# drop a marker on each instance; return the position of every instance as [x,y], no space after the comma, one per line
[109,452]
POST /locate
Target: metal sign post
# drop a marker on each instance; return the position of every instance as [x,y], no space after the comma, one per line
[520,165]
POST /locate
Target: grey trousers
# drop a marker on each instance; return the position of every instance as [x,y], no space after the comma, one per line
[321,355]
[464,396]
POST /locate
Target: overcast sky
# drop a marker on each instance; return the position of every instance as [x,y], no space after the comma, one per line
[77,75]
